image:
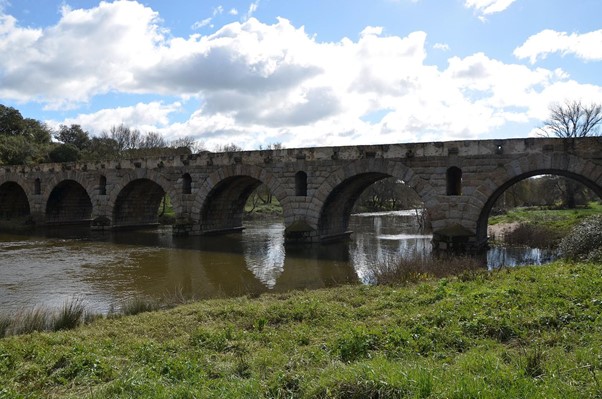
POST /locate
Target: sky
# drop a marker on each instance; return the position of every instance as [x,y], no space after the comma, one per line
[300,73]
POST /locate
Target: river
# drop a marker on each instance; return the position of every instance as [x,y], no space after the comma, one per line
[105,269]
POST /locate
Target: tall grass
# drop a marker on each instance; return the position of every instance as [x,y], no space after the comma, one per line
[405,271]
[69,316]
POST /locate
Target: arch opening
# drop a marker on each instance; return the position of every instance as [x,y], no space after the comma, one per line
[68,203]
[139,203]
[550,188]
[14,204]
[366,192]
[186,184]
[301,184]
[224,207]
[102,185]
[454,181]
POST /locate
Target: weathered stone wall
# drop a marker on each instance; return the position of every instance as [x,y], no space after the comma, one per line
[220,182]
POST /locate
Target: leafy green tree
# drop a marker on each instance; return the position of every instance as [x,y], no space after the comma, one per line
[16,150]
[101,148]
[73,135]
[64,153]
[11,121]
[36,131]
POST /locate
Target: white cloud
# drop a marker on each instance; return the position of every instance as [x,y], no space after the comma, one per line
[148,117]
[487,7]
[233,11]
[202,23]
[252,9]
[441,46]
[259,83]
[586,46]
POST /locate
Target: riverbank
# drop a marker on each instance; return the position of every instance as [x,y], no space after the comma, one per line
[528,332]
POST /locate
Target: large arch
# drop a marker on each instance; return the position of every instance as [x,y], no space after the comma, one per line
[14,203]
[487,207]
[68,203]
[137,203]
[224,193]
[338,193]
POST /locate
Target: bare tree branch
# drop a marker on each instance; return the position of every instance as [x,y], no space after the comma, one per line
[573,119]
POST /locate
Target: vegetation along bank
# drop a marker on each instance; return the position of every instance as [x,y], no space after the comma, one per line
[529,332]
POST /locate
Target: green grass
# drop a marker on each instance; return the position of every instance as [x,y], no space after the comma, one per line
[560,220]
[532,332]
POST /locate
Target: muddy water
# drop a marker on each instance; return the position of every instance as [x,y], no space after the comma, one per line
[106,269]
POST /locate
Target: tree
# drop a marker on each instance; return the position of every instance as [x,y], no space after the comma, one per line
[573,119]
[11,121]
[74,135]
[231,147]
[64,153]
[126,138]
[570,120]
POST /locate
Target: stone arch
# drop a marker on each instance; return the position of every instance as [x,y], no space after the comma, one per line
[14,203]
[137,196]
[337,195]
[223,194]
[584,172]
[68,202]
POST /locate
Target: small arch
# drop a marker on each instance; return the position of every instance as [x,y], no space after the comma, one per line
[186,184]
[102,185]
[137,204]
[13,201]
[301,184]
[454,181]
[68,203]
[37,186]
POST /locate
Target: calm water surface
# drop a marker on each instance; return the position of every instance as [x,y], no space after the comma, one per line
[106,269]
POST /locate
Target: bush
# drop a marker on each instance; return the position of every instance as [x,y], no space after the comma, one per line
[64,153]
[584,243]
[531,235]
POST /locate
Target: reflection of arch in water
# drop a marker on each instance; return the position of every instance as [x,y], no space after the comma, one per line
[265,256]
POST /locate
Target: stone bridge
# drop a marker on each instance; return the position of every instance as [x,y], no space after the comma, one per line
[458,181]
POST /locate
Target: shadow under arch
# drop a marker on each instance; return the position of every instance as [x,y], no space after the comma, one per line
[482,221]
[14,203]
[335,210]
[223,202]
[137,203]
[68,202]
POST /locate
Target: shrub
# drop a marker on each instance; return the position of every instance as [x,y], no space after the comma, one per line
[531,235]
[584,243]
[404,271]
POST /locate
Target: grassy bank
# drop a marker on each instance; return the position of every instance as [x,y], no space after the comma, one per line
[558,220]
[531,332]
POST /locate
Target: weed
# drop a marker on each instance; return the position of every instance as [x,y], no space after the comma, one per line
[138,305]
[31,320]
[69,316]
[5,323]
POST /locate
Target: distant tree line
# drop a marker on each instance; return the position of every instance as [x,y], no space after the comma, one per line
[29,141]
[548,191]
